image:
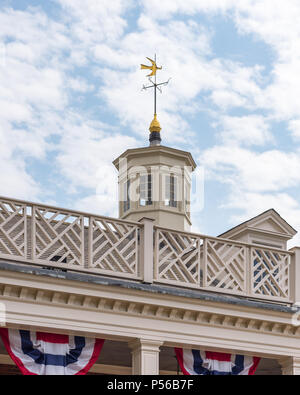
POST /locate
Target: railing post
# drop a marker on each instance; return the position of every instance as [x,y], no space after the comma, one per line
[249,271]
[203,284]
[33,233]
[90,243]
[26,241]
[294,280]
[146,250]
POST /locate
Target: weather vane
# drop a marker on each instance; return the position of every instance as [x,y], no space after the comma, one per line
[155,126]
[154,84]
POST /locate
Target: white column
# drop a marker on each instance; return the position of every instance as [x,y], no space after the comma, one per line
[145,356]
[290,366]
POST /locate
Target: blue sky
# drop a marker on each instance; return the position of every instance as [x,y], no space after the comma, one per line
[71,100]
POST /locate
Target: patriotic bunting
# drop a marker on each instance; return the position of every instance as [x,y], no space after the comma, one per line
[37,353]
[195,362]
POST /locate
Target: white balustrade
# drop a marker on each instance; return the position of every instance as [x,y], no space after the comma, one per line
[68,240]
[72,240]
[220,265]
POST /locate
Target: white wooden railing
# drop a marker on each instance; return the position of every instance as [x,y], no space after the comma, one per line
[71,240]
[220,265]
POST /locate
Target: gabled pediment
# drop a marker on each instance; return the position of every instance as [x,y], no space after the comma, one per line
[269,222]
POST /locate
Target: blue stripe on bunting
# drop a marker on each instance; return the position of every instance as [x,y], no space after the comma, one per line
[51,359]
[238,365]
[198,361]
[219,373]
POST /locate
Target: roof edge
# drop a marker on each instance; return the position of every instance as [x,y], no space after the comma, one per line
[161,148]
[152,288]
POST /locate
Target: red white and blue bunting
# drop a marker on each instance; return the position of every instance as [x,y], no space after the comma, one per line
[37,353]
[195,362]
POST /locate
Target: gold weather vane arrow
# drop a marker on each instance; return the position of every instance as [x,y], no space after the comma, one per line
[154,67]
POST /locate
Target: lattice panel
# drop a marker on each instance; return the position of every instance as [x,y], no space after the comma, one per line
[225,266]
[58,236]
[270,272]
[178,258]
[13,229]
[114,247]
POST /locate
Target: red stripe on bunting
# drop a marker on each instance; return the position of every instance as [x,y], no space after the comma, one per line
[52,338]
[97,349]
[17,361]
[252,370]
[218,356]
[179,354]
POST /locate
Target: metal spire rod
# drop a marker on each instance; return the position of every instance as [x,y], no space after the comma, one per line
[155,88]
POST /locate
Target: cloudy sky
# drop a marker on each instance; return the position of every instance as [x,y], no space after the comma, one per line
[71,100]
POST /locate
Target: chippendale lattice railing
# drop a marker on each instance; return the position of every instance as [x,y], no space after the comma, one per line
[63,239]
[13,229]
[219,265]
[71,240]
[113,247]
[270,272]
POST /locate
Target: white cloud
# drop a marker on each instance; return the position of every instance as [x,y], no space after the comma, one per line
[257,182]
[14,179]
[30,87]
[101,204]
[84,160]
[247,130]
[86,153]
[294,127]
[93,21]
[267,171]
[167,8]
[277,24]
[251,204]
[38,39]
[36,86]
[79,85]
[271,21]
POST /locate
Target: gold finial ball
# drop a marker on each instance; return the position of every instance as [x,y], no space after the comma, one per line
[155,125]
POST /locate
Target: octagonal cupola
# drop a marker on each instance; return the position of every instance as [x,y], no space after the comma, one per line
[155,182]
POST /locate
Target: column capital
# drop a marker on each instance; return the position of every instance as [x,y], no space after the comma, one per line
[290,365]
[145,344]
[145,356]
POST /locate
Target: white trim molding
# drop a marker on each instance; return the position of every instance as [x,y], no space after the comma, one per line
[63,306]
